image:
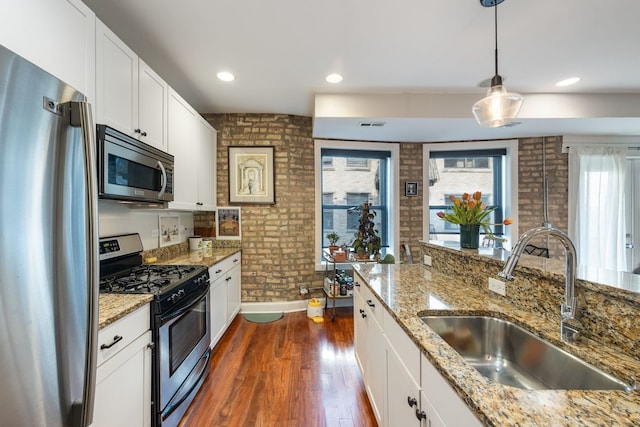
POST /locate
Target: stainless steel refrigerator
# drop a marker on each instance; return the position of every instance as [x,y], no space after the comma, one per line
[48,249]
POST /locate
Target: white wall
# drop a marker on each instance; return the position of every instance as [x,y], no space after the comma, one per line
[115,218]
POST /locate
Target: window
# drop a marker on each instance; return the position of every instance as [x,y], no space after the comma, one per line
[488,167]
[327,216]
[362,172]
[357,163]
[467,162]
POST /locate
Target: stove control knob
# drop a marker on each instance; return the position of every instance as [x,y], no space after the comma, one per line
[173,298]
[181,293]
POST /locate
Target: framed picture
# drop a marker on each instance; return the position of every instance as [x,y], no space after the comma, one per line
[228,223]
[251,175]
[169,226]
[411,188]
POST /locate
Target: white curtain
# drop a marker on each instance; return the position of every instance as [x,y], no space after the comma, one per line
[597,198]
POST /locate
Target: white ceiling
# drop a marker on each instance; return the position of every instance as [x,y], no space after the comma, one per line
[281,50]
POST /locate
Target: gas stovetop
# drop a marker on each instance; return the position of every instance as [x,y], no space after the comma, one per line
[149,279]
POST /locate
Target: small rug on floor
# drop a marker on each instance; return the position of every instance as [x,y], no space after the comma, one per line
[263,317]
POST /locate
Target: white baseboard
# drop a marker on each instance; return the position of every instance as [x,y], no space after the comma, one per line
[287,306]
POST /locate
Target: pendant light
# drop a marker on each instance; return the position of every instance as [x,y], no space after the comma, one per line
[499,108]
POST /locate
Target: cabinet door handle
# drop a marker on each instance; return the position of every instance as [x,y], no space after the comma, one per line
[411,401]
[137,131]
[362,313]
[370,303]
[357,284]
[151,345]
[143,133]
[218,271]
[115,341]
[421,415]
[227,279]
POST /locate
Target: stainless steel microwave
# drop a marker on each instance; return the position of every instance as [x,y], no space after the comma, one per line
[130,170]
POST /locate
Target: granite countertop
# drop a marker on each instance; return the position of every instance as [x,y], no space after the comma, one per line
[406,290]
[113,307]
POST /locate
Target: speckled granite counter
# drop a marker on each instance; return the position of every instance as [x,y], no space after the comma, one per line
[206,257]
[407,290]
[115,306]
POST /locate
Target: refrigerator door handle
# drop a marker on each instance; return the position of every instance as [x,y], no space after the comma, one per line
[81,117]
[164,179]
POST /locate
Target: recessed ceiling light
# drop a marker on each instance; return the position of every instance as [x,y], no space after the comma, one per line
[334,78]
[226,76]
[568,82]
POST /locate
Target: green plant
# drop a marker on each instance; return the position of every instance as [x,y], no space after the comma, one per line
[470,209]
[367,242]
[333,238]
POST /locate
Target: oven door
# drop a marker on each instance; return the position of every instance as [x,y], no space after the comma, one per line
[184,351]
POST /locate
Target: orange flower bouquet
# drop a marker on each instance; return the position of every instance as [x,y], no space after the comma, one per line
[470,210]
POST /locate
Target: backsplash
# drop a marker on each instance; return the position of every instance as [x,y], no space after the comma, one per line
[609,315]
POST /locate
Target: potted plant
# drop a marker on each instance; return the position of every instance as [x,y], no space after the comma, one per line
[470,213]
[333,239]
[367,242]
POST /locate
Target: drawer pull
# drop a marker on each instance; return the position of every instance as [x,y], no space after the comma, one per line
[218,271]
[116,340]
[412,401]
[370,303]
[421,415]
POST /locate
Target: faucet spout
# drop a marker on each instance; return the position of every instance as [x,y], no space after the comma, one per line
[569,306]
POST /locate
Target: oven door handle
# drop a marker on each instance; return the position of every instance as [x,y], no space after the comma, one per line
[187,387]
[182,309]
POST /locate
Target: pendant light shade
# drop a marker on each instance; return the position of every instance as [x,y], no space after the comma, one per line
[499,108]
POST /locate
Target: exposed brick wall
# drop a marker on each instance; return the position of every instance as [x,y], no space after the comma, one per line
[411,207]
[530,187]
[277,240]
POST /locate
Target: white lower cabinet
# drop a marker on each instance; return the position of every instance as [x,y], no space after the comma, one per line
[447,405]
[224,294]
[123,377]
[403,387]
[370,350]
[403,394]
[218,309]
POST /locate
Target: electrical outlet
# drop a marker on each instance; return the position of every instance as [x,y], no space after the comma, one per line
[497,286]
[304,290]
[427,260]
[155,233]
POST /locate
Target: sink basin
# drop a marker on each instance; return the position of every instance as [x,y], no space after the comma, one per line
[506,353]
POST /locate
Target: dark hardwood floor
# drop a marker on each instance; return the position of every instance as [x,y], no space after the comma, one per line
[291,372]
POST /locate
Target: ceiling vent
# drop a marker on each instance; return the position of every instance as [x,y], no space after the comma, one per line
[372,124]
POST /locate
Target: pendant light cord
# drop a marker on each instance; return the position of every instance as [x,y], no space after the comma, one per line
[495,21]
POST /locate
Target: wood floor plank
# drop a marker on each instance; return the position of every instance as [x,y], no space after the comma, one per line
[291,372]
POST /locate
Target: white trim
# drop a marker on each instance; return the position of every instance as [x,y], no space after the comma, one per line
[569,141]
[276,306]
[510,180]
[394,173]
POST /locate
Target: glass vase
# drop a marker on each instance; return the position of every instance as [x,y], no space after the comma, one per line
[469,236]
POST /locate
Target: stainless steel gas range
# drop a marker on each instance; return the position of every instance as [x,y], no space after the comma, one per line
[179,321]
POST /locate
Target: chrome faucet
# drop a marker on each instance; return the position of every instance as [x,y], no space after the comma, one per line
[569,326]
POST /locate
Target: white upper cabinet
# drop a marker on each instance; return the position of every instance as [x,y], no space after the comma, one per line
[56,35]
[183,131]
[132,98]
[192,141]
[206,165]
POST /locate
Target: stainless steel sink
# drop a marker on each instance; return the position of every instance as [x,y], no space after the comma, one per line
[506,353]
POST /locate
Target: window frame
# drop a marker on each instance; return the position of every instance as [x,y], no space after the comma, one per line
[392,196]
[509,180]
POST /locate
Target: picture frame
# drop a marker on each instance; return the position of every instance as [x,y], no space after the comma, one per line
[228,223]
[411,188]
[251,175]
[169,230]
